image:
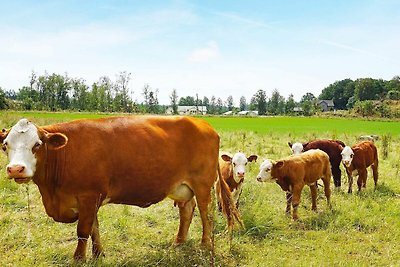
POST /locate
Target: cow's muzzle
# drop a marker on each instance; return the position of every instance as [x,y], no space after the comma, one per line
[18,173]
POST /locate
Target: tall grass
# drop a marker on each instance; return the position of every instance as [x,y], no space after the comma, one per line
[361,229]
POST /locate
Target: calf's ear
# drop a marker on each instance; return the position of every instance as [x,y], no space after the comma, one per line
[55,140]
[3,135]
[290,144]
[252,158]
[226,158]
[279,164]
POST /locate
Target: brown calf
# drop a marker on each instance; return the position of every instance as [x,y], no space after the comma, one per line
[296,171]
[356,161]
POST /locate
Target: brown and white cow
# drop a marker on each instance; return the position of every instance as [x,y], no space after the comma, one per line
[233,170]
[357,159]
[294,172]
[138,160]
[332,147]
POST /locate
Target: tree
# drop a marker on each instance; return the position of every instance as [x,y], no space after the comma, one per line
[276,103]
[219,106]
[308,102]
[339,92]
[290,105]
[260,100]
[229,103]
[80,95]
[174,101]
[122,91]
[242,103]
[187,101]
[3,103]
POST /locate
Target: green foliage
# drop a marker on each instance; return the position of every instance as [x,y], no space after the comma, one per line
[362,229]
[260,101]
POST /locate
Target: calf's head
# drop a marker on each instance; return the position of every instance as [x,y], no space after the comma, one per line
[265,174]
[239,162]
[22,143]
[347,156]
[297,148]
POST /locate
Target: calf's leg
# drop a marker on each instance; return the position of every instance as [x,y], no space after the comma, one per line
[313,189]
[296,201]
[350,179]
[288,202]
[362,178]
[375,173]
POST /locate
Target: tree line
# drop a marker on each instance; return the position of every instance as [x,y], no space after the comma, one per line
[54,92]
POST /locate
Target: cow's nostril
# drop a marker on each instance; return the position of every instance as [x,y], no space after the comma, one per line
[21,169]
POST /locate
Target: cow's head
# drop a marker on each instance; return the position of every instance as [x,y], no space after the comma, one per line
[239,162]
[22,143]
[297,148]
[347,156]
[265,170]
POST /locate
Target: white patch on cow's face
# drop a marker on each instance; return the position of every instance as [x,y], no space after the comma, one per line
[239,162]
[265,172]
[297,148]
[18,146]
[347,156]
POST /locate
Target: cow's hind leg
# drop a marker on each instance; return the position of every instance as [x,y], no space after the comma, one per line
[203,198]
[327,190]
[375,173]
[313,189]
[185,218]
[362,179]
[337,175]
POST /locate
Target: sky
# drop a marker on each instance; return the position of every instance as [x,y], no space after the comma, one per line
[210,48]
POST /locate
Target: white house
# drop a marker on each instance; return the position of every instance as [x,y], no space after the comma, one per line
[189,110]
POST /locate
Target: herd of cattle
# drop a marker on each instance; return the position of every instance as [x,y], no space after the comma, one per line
[81,165]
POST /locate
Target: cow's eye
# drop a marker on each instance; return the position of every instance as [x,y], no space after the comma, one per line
[351,156]
[234,164]
[36,147]
[4,146]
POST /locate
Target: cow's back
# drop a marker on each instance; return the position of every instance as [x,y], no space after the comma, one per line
[365,154]
[135,160]
[332,147]
[308,165]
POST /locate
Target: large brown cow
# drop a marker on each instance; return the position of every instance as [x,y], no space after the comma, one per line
[357,159]
[331,147]
[139,160]
[294,172]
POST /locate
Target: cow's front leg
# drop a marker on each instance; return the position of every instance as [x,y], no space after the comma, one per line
[288,202]
[296,201]
[350,180]
[88,208]
[97,249]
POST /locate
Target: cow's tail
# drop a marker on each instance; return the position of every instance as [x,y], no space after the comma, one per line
[228,206]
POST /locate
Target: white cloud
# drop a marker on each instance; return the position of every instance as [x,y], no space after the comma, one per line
[205,54]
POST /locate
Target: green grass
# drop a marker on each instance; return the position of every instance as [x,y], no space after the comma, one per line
[360,230]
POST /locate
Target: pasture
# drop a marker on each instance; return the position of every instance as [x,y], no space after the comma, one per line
[361,229]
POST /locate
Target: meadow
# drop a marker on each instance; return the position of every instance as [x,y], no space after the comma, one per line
[361,229]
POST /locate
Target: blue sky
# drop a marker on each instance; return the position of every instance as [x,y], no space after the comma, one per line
[212,48]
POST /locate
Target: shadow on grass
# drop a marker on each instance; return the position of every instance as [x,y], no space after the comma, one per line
[320,221]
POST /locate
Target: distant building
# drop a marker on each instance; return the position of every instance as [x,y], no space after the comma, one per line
[228,113]
[189,110]
[326,105]
[248,113]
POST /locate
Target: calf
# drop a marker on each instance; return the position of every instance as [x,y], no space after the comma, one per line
[331,147]
[233,170]
[357,159]
[294,172]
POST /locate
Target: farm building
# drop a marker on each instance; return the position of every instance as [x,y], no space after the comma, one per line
[326,105]
[248,113]
[189,110]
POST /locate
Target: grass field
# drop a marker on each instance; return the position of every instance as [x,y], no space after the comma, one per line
[360,230]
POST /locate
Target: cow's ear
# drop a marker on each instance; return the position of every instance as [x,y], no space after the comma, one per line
[226,157]
[252,158]
[55,140]
[290,144]
[279,164]
[3,135]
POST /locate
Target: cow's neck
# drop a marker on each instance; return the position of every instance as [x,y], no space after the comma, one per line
[46,178]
